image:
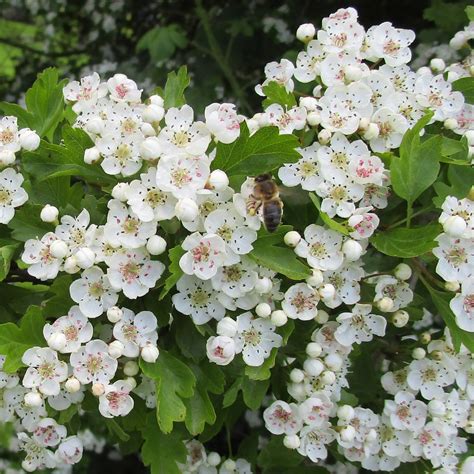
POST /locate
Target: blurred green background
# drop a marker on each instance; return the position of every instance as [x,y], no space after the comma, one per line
[224,43]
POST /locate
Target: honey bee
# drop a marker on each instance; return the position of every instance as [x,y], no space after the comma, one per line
[266,196]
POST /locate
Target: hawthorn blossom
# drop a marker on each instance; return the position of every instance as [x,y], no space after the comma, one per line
[430,441]
[314,441]
[123,89]
[86,92]
[116,400]
[12,195]
[316,410]
[286,120]
[37,254]
[70,450]
[429,377]
[279,72]
[405,412]
[301,302]
[281,417]
[49,433]
[223,122]
[308,63]
[220,349]
[236,280]
[37,455]
[392,127]
[398,291]
[74,230]
[455,257]
[462,305]
[9,136]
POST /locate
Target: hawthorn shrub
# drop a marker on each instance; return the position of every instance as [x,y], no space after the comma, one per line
[152,305]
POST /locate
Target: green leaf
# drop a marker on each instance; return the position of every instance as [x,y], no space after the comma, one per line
[418,165]
[161,41]
[26,224]
[174,381]
[162,452]
[6,255]
[15,340]
[470,12]
[331,223]
[406,243]
[460,179]
[253,392]
[175,86]
[25,118]
[116,430]
[465,85]
[277,94]
[262,152]
[274,454]
[455,151]
[175,270]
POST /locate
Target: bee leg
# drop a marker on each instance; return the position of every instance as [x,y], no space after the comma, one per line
[253,205]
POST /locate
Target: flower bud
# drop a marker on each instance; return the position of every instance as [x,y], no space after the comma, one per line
[156,99]
[85,258]
[131,382]
[263,310]
[292,238]
[95,125]
[220,350]
[452,285]
[327,291]
[306,32]
[469,137]
[313,118]
[131,368]
[148,130]
[437,355]
[279,318]
[347,433]
[324,136]
[451,124]
[156,245]
[91,155]
[263,285]
[153,113]
[322,316]
[58,249]
[400,318]
[213,459]
[437,65]
[313,367]
[459,40]
[309,103]
[352,73]
[57,341]
[469,428]
[186,210]
[372,131]
[352,250]
[423,70]
[218,180]
[72,385]
[333,362]
[49,213]
[385,304]
[114,314]
[291,441]
[150,148]
[70,265]
[418,353]
[316,279]
[29,140]
[227,327]
[296,375]
[345,413]
[328,377]
[98,389]
[29,465]
[425,337]
[228,465]
[402,271]
[7,157]
[116,349]
[33,399]
[120,191]
[150,353]
[318,91]
[314,349]
[436,408]
[455,226]
[467,466]
[253,125]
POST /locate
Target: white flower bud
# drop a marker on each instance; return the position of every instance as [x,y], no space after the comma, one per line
[153,113]
[452,285]
[400,318]
[437,65]
[467,466]
[131,382]
[352,250]
[423,70]
[150,353]
[131,368]
[72,385]
[57,341]
[469,428]
[156,245]
[253,126]
[306,32]
[213,459]
[279,318]
[436,408]
[220,350]
[70,265]
[29,140]
[33,399]
[324,136]
[292,238]
[309,103]
[148,130]
[418,353]
[364,124]
[7,157]
[455,226]
[114,314]
[85,258]
[328,377]
[116,349]
[150,148]
[451,124]
[228,465]
[98,389]
[49,213]
[186,210]
[385,304]
[59,249]
[314,349]
[316,279]
[459,40]
[296,375]
[327,291]
[291,441]
[263,285]
[227,327]
[345,413]
[352,73]
[91,155]
[333,362]
[156,99]
[263,310]
[29,465]
[95,125]
[218,180]
[313,118]
[402,271]
[318,91]
[470,137]
[120,191]
[322,316]
[372,131]
[425,337]
[313,367]
[348,433]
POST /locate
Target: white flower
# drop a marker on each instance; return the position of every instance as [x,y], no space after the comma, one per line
[223,122]
[314,441]
[430,441]
[92,364]
[37,455]
[38,255]
[73,231]
[315,411]
[359,326]
[398,290]
[133,272]
[321,247]
[279,72]
[70,450]
[282,418]
[147,391]
[301,301]
[123,89]
[236,280]
[6,380]
[405,412]
[394,382]
[205,254]
[463,208]
[429,377]
[48,433]
[9,137]
[45,371]
[75,327]
[456,258]
[255,339]
[116,401]
[392,127]
[339,197]
[85,93]
[308,63]
[286,120]
[220,349]
[363,223]
[136,331]
[462,306]
[181,135]
[121,155]
[12,195]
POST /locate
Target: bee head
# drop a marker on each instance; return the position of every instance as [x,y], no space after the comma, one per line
[263,177]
